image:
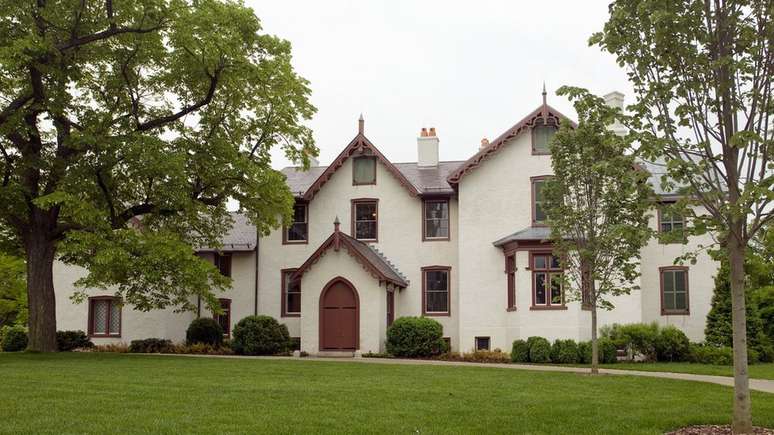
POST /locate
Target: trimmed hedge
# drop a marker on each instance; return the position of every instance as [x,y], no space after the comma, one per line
[413,337]
[14,339]
[204,330]
[565,352]
[539,350]
[67,341]
[151,345]
[520,352]
[260,335]
[706,354]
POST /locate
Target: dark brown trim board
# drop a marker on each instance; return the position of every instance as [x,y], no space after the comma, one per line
[426,269]
[283,283]
[671,312]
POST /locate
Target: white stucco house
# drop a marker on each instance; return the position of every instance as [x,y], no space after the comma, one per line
[373,240]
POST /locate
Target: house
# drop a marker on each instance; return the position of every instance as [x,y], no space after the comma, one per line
[463,242]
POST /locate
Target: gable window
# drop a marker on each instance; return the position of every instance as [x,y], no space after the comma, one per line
[291,294]
[224,318]
[674,290]
[435,290]
[482,343]
[435,219]
[223,263]
[365,219]
[547,289]
[670,221]
[298,232]
[104,316]
[542,134]
[538,199]
[510,271]
[363,170]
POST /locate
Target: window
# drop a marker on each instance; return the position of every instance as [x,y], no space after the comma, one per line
[436,220]
[365,219]
[547,282]
[482,343]
[510,271]
[390,307]
[435,290]
[104,316]
[224,319]
[298,232]
[291,294]
[542,134]
[364,170]
[674,290]
[670,221]
[538,213]
[223,263]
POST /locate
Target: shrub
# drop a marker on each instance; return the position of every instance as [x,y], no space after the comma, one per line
[111,347]
[199,349]
[520,351]
[478,356]
[608,352]
[150,345]
[584,352]
[260,335]
[640,338]
[413,337]
[671,345]
[539,350]
[67,341]
[564,352]
[204,330]
[705,354]
[14,339]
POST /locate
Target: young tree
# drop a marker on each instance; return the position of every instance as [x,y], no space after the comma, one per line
[596,204]
[125,127]
[702,73]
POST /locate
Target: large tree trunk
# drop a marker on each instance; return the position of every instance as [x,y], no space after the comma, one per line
[742,423]
[40,291]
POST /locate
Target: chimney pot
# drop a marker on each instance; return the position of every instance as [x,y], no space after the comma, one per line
[432,131]
[423,133]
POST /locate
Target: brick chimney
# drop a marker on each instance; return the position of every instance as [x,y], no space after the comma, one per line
[427,148]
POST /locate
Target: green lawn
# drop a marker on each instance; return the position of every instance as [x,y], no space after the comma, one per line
[115,393]
[759,371]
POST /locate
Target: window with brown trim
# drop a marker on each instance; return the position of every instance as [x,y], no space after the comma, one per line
[538,212]
[390,307]
[436,292]
[224,318]
[670,223]
[674,290]
[104,316]
[542,134]
[435,219]
[223,263]
[298,231]
[291,294]
[510,272]
[363,170]
[365,219]
[483,343]
[547,291]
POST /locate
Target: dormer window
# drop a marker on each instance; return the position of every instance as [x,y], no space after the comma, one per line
[542,134]
[363,170]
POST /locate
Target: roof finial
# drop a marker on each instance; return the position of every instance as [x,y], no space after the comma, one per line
[360,124]
[336,224]
[544,93]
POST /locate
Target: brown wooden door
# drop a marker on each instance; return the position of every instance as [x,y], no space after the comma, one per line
[339,317]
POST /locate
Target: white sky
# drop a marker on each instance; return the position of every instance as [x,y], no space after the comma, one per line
[470,69]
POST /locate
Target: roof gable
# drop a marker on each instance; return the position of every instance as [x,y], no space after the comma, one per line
[544,113]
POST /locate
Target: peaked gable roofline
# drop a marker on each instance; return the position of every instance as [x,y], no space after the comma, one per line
[544,112]
[359,146]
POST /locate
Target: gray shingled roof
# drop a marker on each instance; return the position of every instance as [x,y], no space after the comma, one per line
[241,236]
[529,233]
[425,180]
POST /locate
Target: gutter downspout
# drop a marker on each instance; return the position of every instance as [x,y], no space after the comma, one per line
[257,245]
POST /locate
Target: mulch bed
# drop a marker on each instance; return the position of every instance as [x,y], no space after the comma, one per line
[716,430]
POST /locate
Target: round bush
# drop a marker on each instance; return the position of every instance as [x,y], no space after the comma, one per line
[260,335]
[412,337]
[608,352]
[204,330]
[539,350]
[14,339]
[520,351]
[564,352]
[67,341]
[716,355]
[671,345]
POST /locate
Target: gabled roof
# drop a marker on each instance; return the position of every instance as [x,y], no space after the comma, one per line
[368,257]
[545,113]
[241,237]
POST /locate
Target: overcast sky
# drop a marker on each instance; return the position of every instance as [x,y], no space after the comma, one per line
[469,69]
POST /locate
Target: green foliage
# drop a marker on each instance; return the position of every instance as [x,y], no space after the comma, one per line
[260,335]
[496,356]
[539,350]
[716,355]
[13,290]
[204,330]
[412,337]
[67,341]
[672,345]
[14,339]
[640,338]
[565,352]
[608,352]
[151,345]
[520,351]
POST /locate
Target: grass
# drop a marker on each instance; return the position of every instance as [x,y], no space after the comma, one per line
[757,371]
[119,393]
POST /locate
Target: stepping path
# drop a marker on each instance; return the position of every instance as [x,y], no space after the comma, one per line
[764,385]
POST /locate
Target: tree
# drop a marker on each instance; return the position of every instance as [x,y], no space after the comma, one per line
[13,291]
[702,72]
[596,204]
[125,127]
